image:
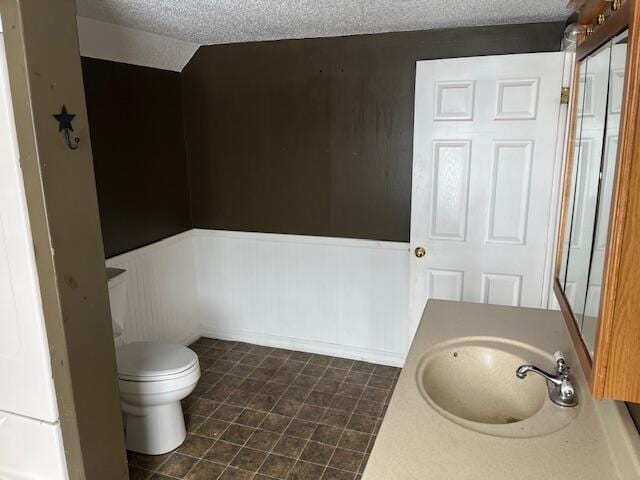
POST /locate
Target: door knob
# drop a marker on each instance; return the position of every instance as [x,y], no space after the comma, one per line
[420,252]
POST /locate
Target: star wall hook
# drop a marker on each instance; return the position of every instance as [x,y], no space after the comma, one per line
[64,119]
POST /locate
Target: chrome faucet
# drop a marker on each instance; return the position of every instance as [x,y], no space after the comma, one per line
[561,390]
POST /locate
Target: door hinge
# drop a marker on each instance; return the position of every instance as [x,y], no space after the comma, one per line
[564,95]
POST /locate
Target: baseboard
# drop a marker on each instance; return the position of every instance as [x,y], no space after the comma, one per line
[189,339]
[393,359]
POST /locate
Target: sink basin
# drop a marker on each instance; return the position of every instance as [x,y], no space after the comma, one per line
[472,382]
[478,383]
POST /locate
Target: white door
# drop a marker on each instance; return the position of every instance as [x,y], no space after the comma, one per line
[485,136]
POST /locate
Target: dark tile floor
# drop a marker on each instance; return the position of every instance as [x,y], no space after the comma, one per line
[265,413]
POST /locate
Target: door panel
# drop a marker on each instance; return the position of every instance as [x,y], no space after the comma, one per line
[450,190]
[485,138]
[510,180]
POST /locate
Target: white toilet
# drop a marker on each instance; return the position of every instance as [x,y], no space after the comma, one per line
[153,378]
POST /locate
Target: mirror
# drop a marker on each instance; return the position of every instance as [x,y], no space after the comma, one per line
[599,106]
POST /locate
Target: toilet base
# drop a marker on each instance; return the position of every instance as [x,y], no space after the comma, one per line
[154,430]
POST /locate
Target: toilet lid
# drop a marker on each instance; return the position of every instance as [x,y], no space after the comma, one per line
[153,359]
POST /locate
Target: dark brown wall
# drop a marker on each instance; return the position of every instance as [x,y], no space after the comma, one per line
[135,117]
[315,136]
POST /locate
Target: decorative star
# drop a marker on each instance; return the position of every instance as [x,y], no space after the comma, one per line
[65,118]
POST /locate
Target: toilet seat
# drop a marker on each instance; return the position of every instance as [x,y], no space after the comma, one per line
[154,362]
[160,385]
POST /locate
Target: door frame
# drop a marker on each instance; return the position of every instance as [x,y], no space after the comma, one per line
[43,63]
[548,297]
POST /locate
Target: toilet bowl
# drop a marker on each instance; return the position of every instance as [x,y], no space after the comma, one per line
[153,378]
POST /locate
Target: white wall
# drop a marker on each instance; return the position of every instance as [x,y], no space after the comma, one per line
[336,296]
[326,295]
[29,426]
[31,449]
[25,364]
[162,293]
[127,45]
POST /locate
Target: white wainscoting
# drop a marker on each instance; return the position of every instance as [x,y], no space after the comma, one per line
[162,295]
[326,295]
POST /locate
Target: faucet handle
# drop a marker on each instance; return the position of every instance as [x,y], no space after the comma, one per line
[566,389]
[561,363]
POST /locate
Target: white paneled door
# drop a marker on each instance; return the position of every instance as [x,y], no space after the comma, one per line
[485,137]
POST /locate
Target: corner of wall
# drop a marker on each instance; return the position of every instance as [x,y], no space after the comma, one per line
[187,153]
[195,254]
[117,43]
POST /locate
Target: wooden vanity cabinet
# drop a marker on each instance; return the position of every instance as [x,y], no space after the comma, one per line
[612,364]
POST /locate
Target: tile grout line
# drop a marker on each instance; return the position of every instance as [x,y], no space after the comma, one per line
[350,418]
[222,403]
[269,412]
[210,414]
[225,347]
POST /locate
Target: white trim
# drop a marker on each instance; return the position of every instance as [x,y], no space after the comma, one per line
[265,237]
[151,248]
[311,346]
[305,239]
[562,143]
[192,337]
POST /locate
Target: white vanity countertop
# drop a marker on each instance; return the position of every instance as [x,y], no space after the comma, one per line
[415,442]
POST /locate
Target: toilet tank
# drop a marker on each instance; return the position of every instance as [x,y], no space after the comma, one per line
[117,281]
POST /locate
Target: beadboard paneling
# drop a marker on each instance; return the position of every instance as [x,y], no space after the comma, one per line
[327,295]
[162,299]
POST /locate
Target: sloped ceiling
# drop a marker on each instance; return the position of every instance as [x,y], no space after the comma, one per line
[208,22]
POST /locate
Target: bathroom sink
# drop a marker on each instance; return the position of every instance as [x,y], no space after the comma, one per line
[478,383]
[472,382]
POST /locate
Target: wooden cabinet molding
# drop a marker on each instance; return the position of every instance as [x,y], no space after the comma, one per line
[614,371]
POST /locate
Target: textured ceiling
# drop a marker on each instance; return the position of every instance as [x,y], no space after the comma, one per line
[228,21]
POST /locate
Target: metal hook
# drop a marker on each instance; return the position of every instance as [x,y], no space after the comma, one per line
[64,119]
[76,140]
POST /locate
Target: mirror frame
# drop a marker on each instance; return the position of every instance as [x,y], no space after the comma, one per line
[613,365]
